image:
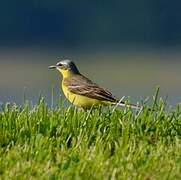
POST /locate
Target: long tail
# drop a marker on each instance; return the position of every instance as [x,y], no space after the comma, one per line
[133,106]
[121,103]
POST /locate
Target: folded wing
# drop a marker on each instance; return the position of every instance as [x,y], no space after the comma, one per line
[82,86]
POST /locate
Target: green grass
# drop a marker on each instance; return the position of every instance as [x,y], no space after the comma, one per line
[66,143]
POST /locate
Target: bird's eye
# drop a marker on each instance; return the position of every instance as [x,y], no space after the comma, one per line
[59,64]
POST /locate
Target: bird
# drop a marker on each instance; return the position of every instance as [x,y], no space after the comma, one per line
[81,91]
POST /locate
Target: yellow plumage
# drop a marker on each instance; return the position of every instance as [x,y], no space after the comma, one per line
[79,100]
[75,99]
[81,91]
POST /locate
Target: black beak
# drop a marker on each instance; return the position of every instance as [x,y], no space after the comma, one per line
[52,67]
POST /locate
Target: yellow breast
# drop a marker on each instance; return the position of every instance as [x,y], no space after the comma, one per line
[79,100]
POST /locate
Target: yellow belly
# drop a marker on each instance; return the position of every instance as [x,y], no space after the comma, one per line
[81,101]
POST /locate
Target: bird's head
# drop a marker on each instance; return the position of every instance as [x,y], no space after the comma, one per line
[66,67]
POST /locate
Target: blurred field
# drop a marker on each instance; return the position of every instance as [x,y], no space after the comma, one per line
[130,73]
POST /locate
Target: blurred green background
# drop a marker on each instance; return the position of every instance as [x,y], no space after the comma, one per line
[128,47]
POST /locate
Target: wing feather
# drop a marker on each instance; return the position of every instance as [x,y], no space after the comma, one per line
[82,86]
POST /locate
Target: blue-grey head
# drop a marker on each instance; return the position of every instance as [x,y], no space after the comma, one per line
[66,67]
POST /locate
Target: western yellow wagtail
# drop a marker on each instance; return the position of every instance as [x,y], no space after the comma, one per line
[81,91]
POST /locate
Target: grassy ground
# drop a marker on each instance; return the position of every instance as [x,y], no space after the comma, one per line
[61,143]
